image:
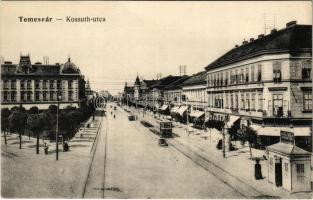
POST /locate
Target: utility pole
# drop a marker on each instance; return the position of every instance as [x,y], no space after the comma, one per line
[187,115]
[57,128]
[223,131]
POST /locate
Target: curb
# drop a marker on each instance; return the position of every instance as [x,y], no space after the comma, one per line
[92,151]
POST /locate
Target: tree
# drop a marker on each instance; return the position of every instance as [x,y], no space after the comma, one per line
[5,113]
[33,110]
[35,123]
[53,109]
[247,134]
[17,122]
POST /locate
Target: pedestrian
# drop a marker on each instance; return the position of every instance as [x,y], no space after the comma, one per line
[258,170]
[66,147]
[111,112]
[46,148]
[81,135]
[114,116]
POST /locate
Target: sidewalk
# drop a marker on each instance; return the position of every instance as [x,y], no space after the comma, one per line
[237,163]
[26,174]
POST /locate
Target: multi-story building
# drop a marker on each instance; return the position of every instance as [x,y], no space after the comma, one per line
[266,83]
[194,97]
[173,92]
[156,92]
[40,84]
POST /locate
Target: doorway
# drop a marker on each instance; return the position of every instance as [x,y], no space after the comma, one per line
[278,172]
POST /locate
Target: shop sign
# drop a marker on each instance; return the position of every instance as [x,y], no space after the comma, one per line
[287,137]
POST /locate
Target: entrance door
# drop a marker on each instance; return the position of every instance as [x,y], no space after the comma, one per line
[278,173]
[278,105]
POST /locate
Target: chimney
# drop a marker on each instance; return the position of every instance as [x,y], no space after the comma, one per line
[7,62]
[244,42]
[236,45]
[260,36]
[292,23]
[251,39]
[273,30]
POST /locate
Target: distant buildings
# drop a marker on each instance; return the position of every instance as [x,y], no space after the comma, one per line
[40,84]
[265,83]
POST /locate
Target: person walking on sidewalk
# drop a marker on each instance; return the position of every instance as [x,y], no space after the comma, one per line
[114,116]
[258,170]
[46,148]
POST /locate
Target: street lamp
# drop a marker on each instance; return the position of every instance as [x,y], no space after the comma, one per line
[57,126]
[224,143]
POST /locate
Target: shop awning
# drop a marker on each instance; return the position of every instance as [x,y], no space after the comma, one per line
[196,113]
[181,110]
[232,120]
[164,107]
[275,131]
[174,109]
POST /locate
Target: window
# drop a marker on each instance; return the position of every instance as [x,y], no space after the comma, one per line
[13,96]
[51,96]
[226,79]
[29,96]
[23,96]
[208,80]
[44,96]
[242,75]
[247,75]
[242,101]
[277,71]
[44,84]
[231,77]
[13,84]
[37,84]
[51,84]
[5,96]
[236,76]
[236,100]
[253,101]
[306,69]
[248,101]
[300,172]
[259,73]
[5,84]
[231,101]
[222,79]
[29,84]
[70,84]
[252,73]
[226,100]
[37,96]
[59,84]
[260,101]
[307,101]
[22,84]
[278,105]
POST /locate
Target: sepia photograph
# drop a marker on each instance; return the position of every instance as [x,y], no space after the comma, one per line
[156,99]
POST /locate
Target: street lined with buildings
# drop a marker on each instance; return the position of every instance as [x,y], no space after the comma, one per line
[240,128]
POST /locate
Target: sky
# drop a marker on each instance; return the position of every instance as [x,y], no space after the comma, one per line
[139,38]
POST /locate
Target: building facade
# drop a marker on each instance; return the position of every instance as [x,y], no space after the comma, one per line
[41,85]
[266,82]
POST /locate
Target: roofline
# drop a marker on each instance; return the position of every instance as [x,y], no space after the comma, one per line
[256,54]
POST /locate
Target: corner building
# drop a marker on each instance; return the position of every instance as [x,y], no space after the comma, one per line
[266,84]
[40,84]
